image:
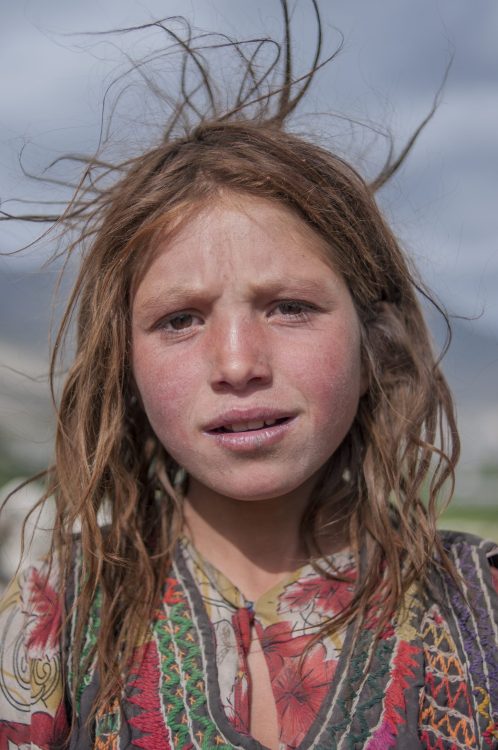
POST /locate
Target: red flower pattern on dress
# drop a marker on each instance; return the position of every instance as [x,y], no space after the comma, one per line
[281,638]
[44,731]
[300,687]
[299,684]
[328,596]
[171,593]
[13,733]
[46,612]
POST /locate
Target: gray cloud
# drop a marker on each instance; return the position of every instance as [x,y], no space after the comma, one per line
[395,52]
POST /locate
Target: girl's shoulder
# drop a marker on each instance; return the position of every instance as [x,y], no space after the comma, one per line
[464,539]
[472,556]
[457,637]
[31,684]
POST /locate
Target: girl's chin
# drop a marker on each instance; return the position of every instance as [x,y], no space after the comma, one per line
[251,491]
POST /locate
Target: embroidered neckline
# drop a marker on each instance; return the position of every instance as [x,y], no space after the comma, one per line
[341,562]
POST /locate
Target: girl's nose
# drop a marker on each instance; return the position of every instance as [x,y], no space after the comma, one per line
[240,355]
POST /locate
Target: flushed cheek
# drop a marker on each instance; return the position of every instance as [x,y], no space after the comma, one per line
[166,390]
[330,383]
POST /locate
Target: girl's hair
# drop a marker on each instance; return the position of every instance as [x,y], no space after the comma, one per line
[383,483]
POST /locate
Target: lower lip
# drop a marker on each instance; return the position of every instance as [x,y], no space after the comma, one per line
[252,440]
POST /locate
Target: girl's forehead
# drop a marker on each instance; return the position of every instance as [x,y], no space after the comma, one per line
[251,246]
[215,231]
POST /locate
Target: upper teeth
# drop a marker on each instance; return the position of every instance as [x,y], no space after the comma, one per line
[255,425]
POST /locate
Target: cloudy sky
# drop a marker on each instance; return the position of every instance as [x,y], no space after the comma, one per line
[444,203]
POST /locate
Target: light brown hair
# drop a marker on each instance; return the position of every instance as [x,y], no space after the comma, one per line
[384,482]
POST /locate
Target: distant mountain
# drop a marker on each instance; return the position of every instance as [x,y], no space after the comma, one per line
[27,307]
[471,362]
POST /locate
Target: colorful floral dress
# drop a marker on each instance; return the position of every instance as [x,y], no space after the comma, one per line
[431,682]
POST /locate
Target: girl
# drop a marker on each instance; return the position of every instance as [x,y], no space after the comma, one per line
[245,439]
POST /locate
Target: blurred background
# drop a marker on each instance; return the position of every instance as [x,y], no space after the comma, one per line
[442,204]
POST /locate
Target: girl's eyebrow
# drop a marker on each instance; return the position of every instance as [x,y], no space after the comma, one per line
[173,295]
[183,294]
[290,285]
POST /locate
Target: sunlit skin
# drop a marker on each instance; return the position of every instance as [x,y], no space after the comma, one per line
[239,319]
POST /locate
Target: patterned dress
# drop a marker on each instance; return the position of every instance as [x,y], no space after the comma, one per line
[430,682]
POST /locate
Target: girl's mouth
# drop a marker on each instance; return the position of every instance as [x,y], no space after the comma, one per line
[251,436]
[250,426]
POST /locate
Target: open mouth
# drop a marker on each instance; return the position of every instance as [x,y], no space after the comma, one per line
[252,426]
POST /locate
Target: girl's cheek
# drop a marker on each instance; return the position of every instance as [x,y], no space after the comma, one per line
[334,387]
[164,387]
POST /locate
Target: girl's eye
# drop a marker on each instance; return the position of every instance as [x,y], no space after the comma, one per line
[179,322]
[293,309]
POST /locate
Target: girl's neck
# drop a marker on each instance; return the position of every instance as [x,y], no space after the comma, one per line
[254,543]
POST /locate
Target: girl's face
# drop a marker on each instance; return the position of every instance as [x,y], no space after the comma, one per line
[246,350]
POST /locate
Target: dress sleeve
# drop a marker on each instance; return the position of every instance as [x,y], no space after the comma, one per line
[32,712]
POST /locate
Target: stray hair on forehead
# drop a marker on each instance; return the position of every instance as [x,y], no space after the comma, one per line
[385,483]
